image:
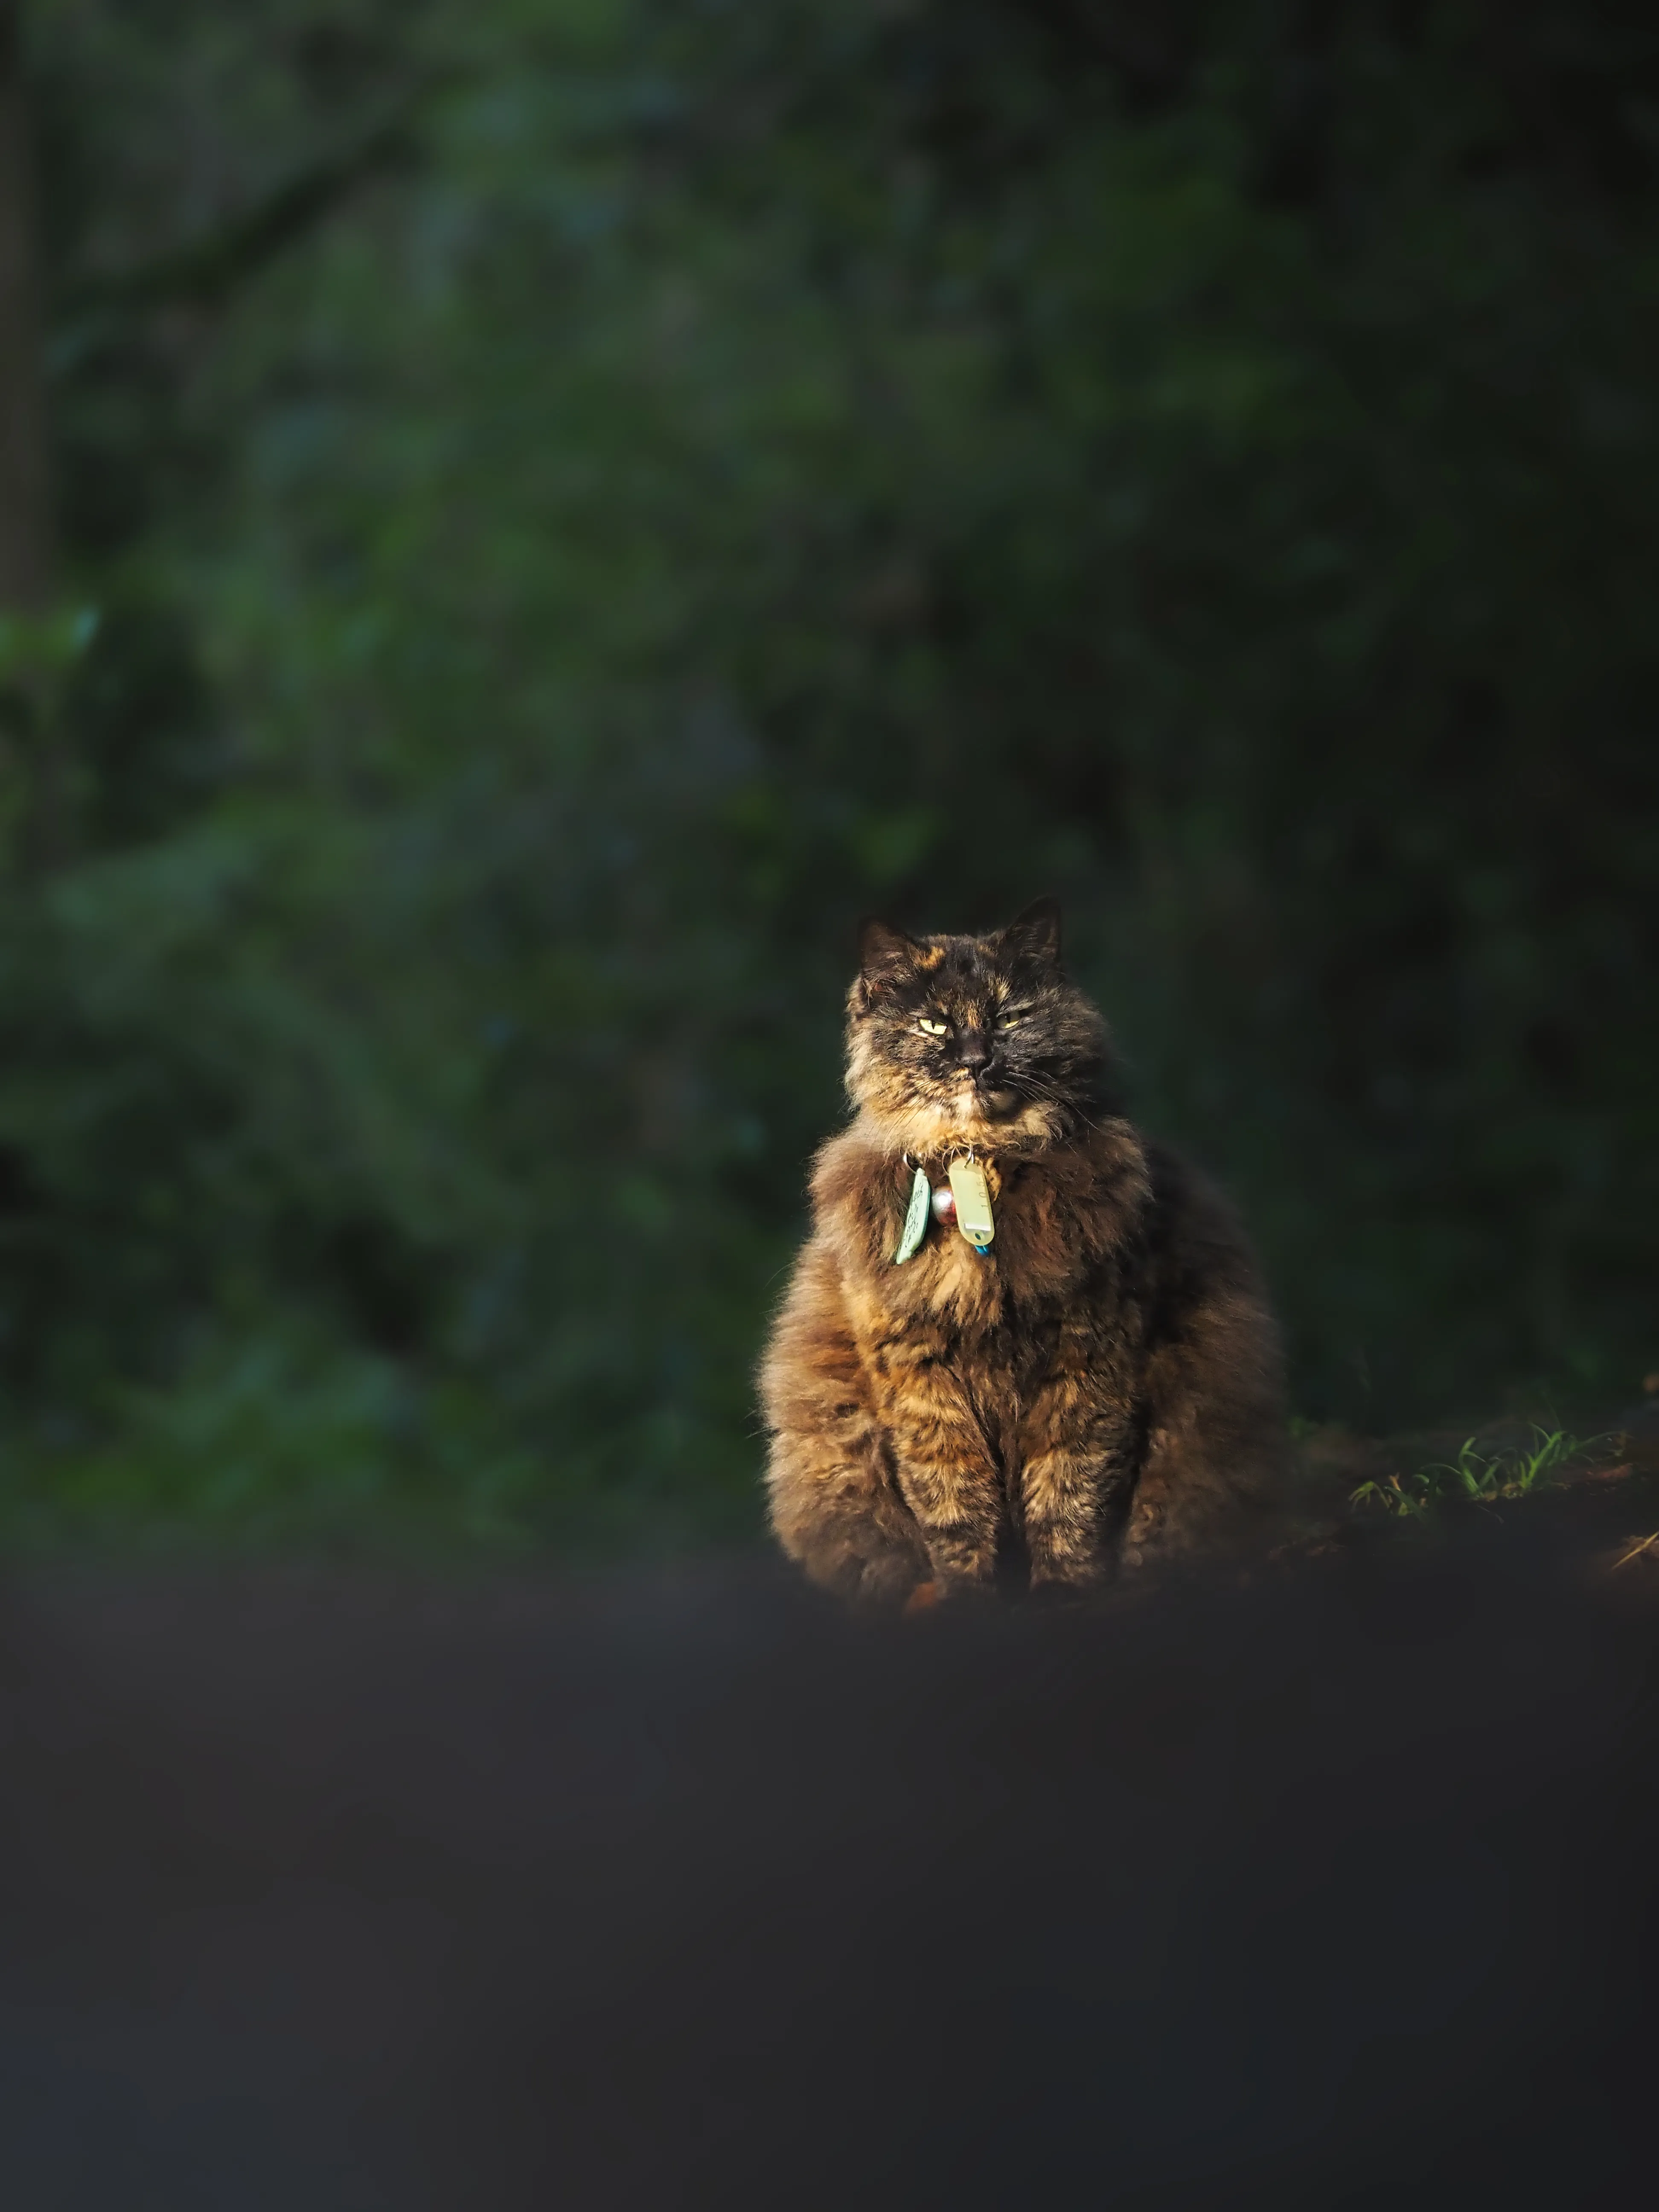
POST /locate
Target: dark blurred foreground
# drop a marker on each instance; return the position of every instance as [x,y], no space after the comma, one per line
[323,1891]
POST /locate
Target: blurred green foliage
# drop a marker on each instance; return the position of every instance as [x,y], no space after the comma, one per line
[583,498]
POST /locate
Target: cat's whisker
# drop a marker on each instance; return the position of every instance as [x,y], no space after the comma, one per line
[1036,1087]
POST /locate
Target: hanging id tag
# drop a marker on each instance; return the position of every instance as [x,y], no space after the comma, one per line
[973,1199]
[915,1220]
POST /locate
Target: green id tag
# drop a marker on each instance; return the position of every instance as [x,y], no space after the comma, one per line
[915,1221]
[973,1199]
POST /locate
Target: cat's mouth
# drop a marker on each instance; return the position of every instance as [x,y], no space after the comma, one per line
[988,1101]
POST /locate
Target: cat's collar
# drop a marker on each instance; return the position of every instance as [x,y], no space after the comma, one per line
[964,1198]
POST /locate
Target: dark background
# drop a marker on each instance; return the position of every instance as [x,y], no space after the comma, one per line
[553,510]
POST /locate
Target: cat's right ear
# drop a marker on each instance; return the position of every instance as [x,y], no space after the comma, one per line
[883,953]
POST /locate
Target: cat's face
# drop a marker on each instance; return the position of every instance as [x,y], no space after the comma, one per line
[956,1041]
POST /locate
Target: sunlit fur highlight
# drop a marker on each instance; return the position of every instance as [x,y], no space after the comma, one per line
[1101,1390]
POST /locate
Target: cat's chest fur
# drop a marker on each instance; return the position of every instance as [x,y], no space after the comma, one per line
[1033,1263]
[1064,1220]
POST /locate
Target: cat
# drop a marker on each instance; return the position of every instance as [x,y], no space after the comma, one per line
[1100,1388]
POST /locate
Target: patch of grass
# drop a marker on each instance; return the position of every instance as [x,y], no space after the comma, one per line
[1482,1477]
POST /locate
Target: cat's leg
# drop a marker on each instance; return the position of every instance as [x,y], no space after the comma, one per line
[1214,1464]
[834,1497]
[947,1469]
[1077,1435]
[836,1511]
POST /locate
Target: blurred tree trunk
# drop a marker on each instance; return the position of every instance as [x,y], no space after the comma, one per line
[28,538]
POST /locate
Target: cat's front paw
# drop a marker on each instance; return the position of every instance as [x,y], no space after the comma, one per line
[960,1591]
[1077,1586]
[888,1582]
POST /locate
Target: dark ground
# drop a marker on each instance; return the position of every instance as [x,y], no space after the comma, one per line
[325,1889]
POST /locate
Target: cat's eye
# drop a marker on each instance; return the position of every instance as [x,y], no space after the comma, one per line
[932,1028]
[1009,1021]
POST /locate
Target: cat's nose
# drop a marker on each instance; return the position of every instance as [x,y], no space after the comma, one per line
[972,1050]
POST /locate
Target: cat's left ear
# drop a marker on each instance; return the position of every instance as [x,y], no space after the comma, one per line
[883,951]
[1034,934]
[884,955]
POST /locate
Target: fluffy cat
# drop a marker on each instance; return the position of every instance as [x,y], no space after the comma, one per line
[1099,1388]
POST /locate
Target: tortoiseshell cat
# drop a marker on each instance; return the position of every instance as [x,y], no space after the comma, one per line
[1102,1385]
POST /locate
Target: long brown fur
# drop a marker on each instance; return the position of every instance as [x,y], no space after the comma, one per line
[1102,1389]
